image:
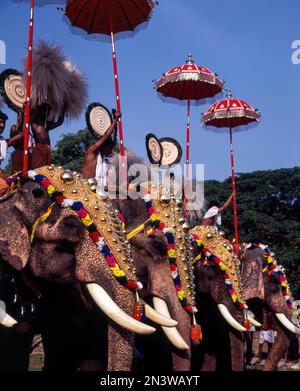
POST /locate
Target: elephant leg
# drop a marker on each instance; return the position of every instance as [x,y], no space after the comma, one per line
[280,345]
[237,351]
[182,359]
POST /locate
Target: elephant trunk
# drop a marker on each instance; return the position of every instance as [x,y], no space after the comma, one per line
[280,345]
[237,351]
[120,340]
[162,286]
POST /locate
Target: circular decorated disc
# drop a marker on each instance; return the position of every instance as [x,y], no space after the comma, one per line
[98,119]
[154,149]
[12,89]
[172,151]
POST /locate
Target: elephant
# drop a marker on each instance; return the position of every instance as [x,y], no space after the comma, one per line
[262,288]
[68,241]
[211,286]
[221,319]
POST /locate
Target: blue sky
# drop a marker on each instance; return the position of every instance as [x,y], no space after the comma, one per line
[247,43]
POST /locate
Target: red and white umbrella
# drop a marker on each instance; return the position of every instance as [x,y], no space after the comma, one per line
[110,19]
[189,83]
[233,115]
[32,4]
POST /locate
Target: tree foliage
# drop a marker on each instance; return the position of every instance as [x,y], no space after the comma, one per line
[71,149]
[268,212]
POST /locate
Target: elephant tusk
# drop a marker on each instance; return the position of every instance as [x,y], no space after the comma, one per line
[287,323]
[230,319]
[5,319]
[254,322]
[115,313]
[157,317]
[171,332]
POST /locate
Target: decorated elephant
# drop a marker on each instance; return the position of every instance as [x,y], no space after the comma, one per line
[68,240]
[265,284]
[221,303]
[214,280]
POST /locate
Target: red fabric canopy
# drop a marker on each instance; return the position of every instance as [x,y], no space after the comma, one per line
[106,16]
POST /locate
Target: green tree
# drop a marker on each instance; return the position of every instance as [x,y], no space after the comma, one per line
[268,211]
[70,150]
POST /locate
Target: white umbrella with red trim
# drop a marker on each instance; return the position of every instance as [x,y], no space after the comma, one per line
[189,83]
[233,115]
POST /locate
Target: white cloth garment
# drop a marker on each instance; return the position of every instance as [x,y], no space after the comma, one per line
[214,212]
[3,149]
[31,143]
[102,169]
[266,336]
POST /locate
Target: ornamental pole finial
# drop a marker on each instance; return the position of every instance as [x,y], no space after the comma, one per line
[228,93]
[190,59]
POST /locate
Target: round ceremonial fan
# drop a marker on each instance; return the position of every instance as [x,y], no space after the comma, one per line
[12,89]
[172,151]
[154,149]
[98,119]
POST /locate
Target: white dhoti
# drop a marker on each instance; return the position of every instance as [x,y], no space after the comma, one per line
[101,173]
[3,149]
[266,336]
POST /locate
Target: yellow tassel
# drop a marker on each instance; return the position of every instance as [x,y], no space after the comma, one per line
[198,257]
[137,230]
[40,220]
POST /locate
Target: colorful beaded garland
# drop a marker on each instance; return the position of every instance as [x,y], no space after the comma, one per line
[168,232]
[273,267]
[207,255]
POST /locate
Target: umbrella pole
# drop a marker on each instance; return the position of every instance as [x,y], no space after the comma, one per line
[234,199]
[28,89]
[118,104]
[187,153]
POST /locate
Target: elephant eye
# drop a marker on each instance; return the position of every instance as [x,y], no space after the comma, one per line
[38,193]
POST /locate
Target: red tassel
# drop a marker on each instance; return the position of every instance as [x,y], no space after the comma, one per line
[246,324]
[138,311]
[196,333]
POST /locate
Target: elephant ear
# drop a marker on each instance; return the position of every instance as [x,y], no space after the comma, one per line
[14,236]
[17,216]
[252,276]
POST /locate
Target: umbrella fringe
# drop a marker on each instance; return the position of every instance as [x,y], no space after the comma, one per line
[103,37]
[193,102]
[236,129]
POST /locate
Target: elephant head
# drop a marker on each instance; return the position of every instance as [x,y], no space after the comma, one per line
[220,298]
[265,284]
